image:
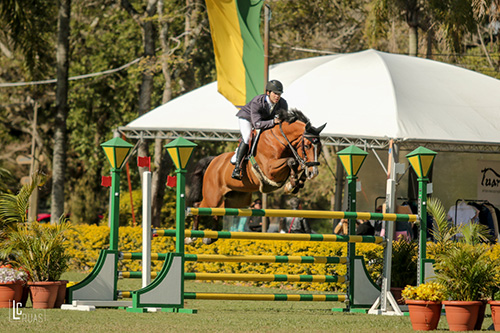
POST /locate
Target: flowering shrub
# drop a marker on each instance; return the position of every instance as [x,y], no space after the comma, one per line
[9,274]
[430,291]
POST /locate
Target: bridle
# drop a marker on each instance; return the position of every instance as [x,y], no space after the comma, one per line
[303,161]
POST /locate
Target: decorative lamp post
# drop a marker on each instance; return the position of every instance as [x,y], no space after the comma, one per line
[421,159]
[180,151]
[117,151]
[352,158]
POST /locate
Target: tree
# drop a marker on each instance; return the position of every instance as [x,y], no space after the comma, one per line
[146,22]
[410,11]
[59,155]
[29,26]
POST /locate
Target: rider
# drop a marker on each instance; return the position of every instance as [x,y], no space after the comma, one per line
[259,113]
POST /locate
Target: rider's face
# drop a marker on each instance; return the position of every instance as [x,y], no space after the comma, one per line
[274,97]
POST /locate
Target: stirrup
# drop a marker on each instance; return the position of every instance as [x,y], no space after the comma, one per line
[236,174]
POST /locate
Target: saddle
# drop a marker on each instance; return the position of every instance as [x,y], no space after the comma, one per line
[252,142]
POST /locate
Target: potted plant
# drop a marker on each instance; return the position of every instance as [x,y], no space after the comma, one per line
[495,309]
[404,260]
[424,305]
[41,250]
[464,269]
[12,281]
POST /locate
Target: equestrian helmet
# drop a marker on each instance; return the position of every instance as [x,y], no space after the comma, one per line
[275,86]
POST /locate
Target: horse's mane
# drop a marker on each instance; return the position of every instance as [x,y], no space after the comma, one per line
[292,115]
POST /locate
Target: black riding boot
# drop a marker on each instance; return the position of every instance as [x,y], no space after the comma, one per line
[242,151]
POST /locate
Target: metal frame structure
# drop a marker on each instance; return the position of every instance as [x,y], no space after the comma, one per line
[328,140]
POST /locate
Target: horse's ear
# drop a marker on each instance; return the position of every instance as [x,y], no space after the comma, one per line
[319,129]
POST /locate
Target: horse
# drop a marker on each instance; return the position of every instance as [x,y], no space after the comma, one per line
[284,155]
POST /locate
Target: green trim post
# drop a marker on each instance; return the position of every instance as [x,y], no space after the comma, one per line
[117,152]
[351,247]
[352,159]
[114,218]
[180,151]
[180,210]
[422,212]
[422,159]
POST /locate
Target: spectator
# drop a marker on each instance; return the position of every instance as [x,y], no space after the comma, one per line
[364,227]
[254,223]
[295,225]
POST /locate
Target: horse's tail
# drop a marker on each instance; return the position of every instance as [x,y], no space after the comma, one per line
[194,181]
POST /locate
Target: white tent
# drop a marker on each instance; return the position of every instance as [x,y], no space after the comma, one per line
[365,98]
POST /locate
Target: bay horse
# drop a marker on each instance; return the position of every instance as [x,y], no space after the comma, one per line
[285,155]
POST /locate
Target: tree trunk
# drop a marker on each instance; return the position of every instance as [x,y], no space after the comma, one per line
[59,156]
[430,41]
[146,88]
[413,41]
[162,162]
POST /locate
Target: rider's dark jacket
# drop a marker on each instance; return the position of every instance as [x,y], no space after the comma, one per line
[258,112]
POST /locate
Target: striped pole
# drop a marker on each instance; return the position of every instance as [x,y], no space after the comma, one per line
[245,277]
[267,297]
[272,236]
[243,258]
[266,259]
[314,214]
[263,277]
[138,256]
[256,297]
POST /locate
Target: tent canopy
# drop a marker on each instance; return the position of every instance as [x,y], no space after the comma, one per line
[366,98]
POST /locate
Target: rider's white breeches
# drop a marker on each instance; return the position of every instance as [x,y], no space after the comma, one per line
[245,129]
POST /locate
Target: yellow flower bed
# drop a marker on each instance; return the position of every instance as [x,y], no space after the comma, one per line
[85,243]
[430,291]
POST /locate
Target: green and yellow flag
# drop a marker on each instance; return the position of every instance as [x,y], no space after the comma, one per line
[238,47]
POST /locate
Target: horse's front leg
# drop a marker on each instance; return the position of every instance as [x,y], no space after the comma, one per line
[293,181]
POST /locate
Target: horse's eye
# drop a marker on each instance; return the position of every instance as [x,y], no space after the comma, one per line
[307,146]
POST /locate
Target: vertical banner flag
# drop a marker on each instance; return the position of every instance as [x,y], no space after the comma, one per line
[238,48]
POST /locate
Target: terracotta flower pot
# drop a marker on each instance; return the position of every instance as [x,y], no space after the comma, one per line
[10,291]
[495,313]
[461,315]
[396,293]
[480,316]
[61,294]
[424,315]
[44,294]
[25,295]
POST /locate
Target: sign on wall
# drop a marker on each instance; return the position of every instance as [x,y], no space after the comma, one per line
[488,184]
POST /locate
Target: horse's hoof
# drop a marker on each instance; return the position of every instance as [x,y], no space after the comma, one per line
[208,241]
[189,240]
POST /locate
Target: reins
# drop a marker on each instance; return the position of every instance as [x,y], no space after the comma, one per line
[303,162]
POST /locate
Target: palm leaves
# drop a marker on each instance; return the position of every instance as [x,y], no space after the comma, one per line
[38,248]
[464,267]
[13,208]
[442,231]
[467,272]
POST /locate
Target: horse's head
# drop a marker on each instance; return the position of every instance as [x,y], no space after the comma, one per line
[308,145]
[311,146]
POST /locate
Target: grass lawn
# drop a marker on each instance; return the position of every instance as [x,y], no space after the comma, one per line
[212,316]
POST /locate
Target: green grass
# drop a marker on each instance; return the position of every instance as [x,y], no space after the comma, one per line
[213,316]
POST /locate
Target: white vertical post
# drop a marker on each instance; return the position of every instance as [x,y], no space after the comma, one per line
[390,202]
[146,228]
